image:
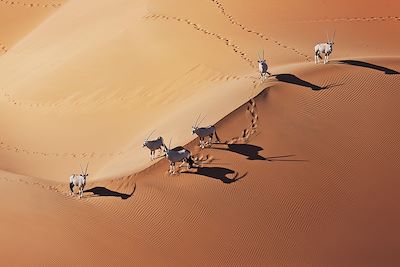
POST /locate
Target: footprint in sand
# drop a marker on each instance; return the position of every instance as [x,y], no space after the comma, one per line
[197,27]
[252,128]
[30,5]
[219,5]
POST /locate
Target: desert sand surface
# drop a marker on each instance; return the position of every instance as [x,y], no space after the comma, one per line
[307,170]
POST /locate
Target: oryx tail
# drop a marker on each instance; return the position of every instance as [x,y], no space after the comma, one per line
[216,136]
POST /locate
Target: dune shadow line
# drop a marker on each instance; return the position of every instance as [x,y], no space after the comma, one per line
[363,64]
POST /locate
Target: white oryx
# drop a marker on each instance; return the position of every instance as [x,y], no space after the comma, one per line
[178,154]
[262,65]
[153,145]
[78,180]
[203,132]
[324,48]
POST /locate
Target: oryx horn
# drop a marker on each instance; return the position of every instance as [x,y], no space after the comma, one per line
[201,120]
[198,117]
[87,165]
[150,135]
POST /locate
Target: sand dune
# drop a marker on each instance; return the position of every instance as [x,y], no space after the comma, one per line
[307,170]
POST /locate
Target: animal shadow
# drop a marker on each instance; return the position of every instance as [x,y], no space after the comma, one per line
[293,79]
[247,150]
[100,191]
[218,173]
[369,66]
[283,158]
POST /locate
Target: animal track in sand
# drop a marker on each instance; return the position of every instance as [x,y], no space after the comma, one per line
[31,5]
[3,48]
[33,183]
[197,27]
[252,128]
[19,150]
[260,35]
[352,19]
[34,106]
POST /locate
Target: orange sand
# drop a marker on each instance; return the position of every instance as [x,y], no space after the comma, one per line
[307,173]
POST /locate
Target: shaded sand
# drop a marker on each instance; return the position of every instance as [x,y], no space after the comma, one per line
[307,173]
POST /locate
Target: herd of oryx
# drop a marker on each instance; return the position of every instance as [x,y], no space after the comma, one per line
[319,49]
[176,155]
[182,155]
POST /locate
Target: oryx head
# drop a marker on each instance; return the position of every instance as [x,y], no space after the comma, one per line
[84,174]
[147,139]
[196,124]
[330,42]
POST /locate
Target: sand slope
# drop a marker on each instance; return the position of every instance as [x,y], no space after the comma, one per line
[307,171]
[325,195]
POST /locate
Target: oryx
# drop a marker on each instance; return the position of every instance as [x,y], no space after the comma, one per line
[262,65]
[78,180]
[153,145]
[324,48]
[203,132]
[178,154]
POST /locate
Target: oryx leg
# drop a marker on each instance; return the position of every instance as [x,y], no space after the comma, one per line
[71,187]
[180,165]
[173,168]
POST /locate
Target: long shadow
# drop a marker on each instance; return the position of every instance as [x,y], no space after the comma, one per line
[101,191]
[284,158]
[218,173]
[250,151]
[293,79]
[369,66]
